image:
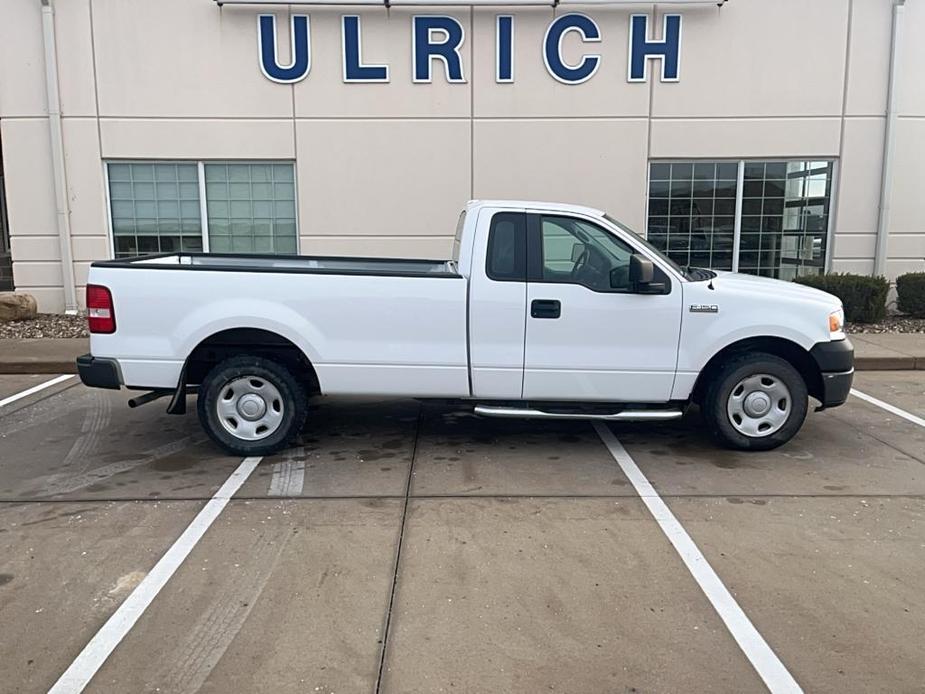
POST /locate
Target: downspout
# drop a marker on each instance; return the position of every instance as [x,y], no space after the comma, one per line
[889,141]
[56,137]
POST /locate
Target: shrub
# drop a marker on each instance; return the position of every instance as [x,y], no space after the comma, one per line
[910,294]
[864,297]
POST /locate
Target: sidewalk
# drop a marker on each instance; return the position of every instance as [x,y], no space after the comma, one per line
[41,356]
[891,351]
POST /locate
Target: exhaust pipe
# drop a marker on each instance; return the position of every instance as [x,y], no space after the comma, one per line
[148,397]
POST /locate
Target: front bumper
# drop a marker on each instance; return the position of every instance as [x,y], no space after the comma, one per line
[98,372]
[836,388]
[836,363]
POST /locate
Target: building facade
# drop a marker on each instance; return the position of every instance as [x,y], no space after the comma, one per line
[756,135]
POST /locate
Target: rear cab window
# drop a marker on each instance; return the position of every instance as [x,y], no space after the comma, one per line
[506,260]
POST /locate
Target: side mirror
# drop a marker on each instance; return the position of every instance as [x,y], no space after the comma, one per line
[642,274]
[577,250]
[642,271]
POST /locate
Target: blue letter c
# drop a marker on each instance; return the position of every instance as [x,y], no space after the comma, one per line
[552,48]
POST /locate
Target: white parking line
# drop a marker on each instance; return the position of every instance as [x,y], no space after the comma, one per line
[34,389]
[95,653]
[756,649]
[888,407]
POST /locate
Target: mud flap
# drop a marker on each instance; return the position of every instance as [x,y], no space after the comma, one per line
[178,401]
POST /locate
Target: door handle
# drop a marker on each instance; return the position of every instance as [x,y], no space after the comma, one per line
[545,308]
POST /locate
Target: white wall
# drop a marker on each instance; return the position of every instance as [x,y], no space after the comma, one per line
[384,168]
[906,246]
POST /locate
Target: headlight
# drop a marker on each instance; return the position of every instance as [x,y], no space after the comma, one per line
[837,321]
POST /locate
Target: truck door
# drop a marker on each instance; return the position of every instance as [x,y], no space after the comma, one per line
[497,305]
[589,335]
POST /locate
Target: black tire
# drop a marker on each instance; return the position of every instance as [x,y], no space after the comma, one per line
[729,376]
[291,403]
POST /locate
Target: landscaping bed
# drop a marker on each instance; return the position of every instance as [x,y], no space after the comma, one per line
[890,324]
[52,325]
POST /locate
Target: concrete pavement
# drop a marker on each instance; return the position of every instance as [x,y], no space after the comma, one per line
[402,548]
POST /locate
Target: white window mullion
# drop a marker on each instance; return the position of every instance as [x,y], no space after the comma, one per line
[111,240]
[203,209]
[737,230]
[832,216]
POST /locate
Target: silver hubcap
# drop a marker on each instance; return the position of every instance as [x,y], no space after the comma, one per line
[759,405]
[250,408]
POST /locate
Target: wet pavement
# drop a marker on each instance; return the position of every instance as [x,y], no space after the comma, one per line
[402,547]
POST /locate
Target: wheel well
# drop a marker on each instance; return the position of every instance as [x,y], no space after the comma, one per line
[253,342]
[798,357]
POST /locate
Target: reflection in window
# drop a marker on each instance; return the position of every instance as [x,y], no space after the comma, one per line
[251,207]
[155,208]
[692,212]
[785,216]
[784,221]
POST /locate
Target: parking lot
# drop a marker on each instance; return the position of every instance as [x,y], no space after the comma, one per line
[415,548]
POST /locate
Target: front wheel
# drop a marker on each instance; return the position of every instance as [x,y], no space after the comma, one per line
[756,402]
[251,406]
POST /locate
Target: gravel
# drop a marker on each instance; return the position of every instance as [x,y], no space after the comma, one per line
[46,325]
[893,324]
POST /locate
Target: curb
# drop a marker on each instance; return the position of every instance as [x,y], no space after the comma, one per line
[889,364]
[58,366]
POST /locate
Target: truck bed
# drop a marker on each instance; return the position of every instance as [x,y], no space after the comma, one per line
[234,262]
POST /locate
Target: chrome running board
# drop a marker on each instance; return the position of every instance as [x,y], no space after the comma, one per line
[623,416]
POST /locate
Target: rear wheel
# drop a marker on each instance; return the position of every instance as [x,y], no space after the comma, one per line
[251,406]
[756,402]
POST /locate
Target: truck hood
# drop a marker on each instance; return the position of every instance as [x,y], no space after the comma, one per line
[766,287]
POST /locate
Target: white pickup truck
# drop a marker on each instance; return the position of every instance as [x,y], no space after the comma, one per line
[544,311]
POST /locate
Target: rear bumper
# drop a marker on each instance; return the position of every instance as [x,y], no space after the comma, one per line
[836,364]
[98,372]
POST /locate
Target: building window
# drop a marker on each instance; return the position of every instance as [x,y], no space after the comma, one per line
[251,208]
[776,213]
[157,207]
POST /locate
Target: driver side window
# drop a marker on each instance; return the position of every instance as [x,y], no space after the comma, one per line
[579,252]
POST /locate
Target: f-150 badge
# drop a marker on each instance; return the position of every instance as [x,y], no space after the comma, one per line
[704,308]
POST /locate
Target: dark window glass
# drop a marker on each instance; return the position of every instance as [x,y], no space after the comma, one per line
[785,214]
[507,247]
[658,207]
[660,172]
[754,171]
[689,204]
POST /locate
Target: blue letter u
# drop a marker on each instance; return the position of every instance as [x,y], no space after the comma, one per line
[301,50]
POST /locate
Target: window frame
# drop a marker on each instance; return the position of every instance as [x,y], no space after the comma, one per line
[740,195]
[203,204]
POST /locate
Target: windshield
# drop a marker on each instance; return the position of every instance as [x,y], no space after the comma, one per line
[689,273]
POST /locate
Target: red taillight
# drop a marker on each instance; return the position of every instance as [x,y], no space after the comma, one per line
[100,312]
